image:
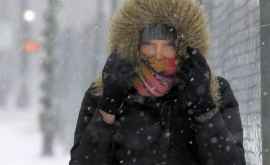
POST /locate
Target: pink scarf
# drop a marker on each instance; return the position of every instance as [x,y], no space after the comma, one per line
[152,83]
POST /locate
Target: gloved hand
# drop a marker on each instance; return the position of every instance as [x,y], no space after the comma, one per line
[196,75]
[117,78]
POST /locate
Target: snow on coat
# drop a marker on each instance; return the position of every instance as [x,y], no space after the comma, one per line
[158,131]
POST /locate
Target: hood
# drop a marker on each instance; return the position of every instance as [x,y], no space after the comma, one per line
[186,16]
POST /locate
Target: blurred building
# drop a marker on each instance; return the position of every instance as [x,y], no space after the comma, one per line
[240,52]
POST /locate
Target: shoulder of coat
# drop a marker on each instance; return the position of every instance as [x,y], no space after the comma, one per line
[223,83]
[222,88]
[96,88]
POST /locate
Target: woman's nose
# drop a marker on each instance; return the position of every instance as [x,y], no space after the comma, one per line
[159,52]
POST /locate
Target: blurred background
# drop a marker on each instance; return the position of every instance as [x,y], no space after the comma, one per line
[51,50]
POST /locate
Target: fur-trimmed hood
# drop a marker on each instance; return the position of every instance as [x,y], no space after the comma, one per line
[186,16]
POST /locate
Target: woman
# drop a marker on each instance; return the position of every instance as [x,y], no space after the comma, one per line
[158,101]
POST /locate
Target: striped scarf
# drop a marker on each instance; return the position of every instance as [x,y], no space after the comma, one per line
[155,78]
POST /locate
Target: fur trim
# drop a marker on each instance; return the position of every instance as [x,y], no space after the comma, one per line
[187,16]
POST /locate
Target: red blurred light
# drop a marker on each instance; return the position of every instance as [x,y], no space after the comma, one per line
[31,46]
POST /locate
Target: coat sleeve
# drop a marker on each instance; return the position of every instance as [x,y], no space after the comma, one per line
[93,137]
[220,139]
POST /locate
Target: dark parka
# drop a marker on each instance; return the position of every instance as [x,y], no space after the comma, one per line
[159,131]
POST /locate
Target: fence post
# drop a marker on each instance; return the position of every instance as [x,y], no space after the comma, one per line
[265,69]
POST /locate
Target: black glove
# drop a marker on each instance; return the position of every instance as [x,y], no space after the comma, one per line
[117,78]
[196,75]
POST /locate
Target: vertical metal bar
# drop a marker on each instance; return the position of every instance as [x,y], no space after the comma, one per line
[265,81]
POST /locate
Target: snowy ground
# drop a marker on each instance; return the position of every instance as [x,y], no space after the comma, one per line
[20,140]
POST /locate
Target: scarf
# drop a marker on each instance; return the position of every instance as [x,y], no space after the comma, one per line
[155,78]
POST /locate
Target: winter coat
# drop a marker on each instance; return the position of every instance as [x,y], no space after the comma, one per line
[158,131]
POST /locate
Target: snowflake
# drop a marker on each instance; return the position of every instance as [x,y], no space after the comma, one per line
[171,29]
[121,111]
[211,125]
[228,148]
[134,160]
[214,140]
[167,134]
[149,138]
[189,103]
[194,51]
[128,152]
[141,113]
[182,36]
[85,119]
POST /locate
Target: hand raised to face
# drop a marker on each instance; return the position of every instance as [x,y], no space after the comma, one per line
[196,75]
